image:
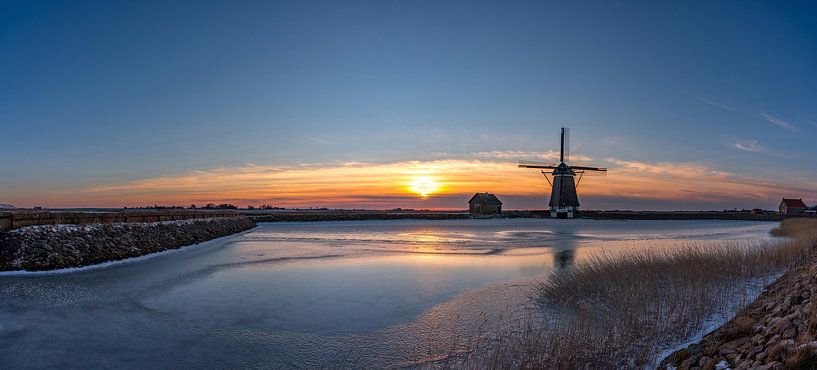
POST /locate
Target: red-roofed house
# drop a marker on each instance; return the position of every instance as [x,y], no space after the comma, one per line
[792,207]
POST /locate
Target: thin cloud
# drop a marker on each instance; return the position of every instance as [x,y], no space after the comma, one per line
[681,181]
[510,155]
[549,155]
[777,121]
[812,123]
[716,104]
[751,146]
[388,185]
[316,140]
[763,115]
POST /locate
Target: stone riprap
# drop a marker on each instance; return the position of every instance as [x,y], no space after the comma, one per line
[49,247]
[777,331]
[17,218]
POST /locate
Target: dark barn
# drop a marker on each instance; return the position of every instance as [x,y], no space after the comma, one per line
[483,204]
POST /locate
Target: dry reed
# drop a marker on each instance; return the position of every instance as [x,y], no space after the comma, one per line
[628,310]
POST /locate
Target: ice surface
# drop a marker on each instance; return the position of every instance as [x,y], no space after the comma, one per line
[339,294]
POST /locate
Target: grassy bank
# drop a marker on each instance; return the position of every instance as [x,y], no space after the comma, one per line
[628,310]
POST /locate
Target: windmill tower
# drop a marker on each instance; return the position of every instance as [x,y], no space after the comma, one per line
[564,202]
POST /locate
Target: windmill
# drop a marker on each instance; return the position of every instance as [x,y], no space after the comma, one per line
[564,202]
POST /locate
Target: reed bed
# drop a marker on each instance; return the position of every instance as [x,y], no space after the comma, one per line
[629,310]
[803,228]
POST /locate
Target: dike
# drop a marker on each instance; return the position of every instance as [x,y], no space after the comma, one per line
[50,247]
[777,331]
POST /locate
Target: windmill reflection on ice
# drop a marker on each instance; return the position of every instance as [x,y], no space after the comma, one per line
[565,258]
[564,202]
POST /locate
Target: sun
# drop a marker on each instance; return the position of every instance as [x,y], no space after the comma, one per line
[424,185]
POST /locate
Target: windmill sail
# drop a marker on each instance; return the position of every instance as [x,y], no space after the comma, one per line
[566,144]
[564,200]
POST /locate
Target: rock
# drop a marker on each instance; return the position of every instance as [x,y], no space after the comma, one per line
[779,325]
[726,349]
[61,246]
[810,345]
[773,341]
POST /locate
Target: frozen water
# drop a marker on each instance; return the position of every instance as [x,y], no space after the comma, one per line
[336,294]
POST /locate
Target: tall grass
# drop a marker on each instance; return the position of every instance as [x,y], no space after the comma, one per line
[628,310]
[803,228]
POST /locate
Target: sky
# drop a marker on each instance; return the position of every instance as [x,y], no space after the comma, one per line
[412,104]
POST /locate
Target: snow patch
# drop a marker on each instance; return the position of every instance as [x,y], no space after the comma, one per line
[90,227]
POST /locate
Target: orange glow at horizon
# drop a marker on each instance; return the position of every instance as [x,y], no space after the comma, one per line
[420,184]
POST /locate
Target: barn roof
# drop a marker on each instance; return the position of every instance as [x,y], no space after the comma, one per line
[794,203]
[486,199]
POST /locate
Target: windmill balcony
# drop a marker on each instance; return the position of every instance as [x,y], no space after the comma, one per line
[563,212]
